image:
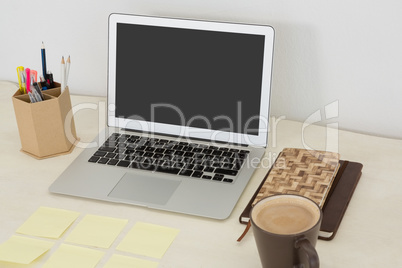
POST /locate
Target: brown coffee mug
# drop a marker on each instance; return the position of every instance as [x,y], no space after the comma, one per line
[286,229]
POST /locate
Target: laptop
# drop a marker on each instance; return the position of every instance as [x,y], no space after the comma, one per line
[187,114]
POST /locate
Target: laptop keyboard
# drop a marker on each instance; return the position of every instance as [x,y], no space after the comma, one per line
[161,155]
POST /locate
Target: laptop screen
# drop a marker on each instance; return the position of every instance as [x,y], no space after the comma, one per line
[192,78]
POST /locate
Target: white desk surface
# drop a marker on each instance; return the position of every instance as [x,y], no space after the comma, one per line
[370,234]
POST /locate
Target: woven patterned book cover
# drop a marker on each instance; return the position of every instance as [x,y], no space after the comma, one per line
[304,172]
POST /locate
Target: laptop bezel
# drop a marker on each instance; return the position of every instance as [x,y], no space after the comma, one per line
[259,140]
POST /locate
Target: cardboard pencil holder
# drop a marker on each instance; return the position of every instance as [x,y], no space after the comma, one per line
[46,128]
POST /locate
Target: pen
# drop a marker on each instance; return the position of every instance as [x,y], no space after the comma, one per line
[36,95]
[38,91]
[28,79]
[63,74]
[31,97]
[43,52]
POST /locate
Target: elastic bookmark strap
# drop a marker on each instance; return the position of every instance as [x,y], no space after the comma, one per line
[245,231]
[336,180]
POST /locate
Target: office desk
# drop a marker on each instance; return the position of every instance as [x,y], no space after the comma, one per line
[370,234]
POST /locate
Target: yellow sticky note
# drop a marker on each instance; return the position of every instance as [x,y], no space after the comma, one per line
[129,262]
[97,231]
[48,222]
[23,250]
[67,256]
[148,240]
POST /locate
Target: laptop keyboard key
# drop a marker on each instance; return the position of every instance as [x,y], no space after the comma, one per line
[218,177]
[148,154]
[93,159]
[209,169]
[227,154]
[197,174]
[107,149]
[120,156]
[123,163]
[100,153]
[129,158]
[170,170]
[110,155]
[112,162]
[207,151]
[226,171]
[103,160]
[216,152]
[186,172]
[129,151]
[198,168]
[159,150]
[227,166]
[197,150]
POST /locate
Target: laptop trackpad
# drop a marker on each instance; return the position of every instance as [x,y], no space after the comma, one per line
[144,188]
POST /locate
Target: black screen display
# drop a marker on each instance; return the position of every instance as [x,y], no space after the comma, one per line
[196,78]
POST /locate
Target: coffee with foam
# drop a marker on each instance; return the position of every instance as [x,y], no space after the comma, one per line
[285,215]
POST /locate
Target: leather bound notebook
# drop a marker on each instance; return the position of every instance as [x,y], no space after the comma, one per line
[335,194]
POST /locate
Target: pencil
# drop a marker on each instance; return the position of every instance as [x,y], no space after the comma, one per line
[67,70]
[63,74]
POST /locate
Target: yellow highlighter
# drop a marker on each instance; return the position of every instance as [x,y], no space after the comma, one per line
[21,79]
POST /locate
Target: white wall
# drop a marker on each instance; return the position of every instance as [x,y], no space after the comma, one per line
[344,51]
